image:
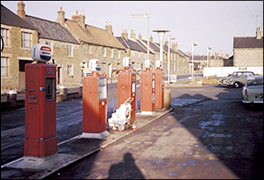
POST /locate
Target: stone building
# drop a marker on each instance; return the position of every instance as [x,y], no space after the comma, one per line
[134,49]
[65,50]
[19,36]
[95,43]
[248,51]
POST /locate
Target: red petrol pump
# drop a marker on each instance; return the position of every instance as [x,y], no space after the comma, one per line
[147,90]
[95,103]
[159,86]
[40,106]
[126,88]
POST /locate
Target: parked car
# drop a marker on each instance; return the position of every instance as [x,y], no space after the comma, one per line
[253,90]
[236,79]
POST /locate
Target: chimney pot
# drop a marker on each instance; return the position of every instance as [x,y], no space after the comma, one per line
[21,9]
[258,36]
[61,17]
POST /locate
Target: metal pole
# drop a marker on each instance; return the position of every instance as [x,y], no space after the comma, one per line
[192,60]
[168,64]
[148,38]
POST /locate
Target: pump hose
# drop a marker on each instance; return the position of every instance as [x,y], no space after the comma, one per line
[134,70]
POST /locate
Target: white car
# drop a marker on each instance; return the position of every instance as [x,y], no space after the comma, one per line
[253,90]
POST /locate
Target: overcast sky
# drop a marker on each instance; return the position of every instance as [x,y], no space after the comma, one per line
[209,24]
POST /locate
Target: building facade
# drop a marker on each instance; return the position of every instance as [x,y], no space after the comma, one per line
[19,37]
[248,51]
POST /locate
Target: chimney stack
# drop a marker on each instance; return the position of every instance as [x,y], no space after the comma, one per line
[21,9]
[79,17]
[61,17]
[133,35]
[166,43]
[108,27]
[150,38]
[124,34]
[258,33]
[175,46]
[139,36]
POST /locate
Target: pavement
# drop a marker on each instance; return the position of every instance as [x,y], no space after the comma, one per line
[70,151]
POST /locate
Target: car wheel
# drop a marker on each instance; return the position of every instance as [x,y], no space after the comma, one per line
[236,84]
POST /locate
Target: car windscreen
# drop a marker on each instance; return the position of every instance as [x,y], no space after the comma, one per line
[255,82]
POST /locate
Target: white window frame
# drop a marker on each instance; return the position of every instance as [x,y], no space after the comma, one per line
[5,64]
[104,51]
[69,50]
[90,49]
[112,53]
[24,39]
[5,35]
[70,69]
[119,54]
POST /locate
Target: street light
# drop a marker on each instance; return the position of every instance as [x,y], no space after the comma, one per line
[142,16]
[208,54]
[161,35]
[192,58]
[169,44]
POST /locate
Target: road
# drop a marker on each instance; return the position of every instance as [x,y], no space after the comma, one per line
[209,134]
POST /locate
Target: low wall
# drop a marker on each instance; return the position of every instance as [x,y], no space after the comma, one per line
[224,71]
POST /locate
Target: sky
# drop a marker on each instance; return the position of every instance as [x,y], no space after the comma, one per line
[211,24]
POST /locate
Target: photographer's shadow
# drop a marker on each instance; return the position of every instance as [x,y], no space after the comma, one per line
[127,169]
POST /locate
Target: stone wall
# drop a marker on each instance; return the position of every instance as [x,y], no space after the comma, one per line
[15,53]
[248,57]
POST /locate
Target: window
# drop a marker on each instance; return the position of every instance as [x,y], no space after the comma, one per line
[4,66]
[119,54]
[26,39]
[5,36]
[112,53]
[104,52]
[69,51]
[70,69]
[90,49]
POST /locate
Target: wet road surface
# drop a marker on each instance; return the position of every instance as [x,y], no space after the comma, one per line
[209,134]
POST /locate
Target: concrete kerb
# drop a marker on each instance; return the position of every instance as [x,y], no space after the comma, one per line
[62,160]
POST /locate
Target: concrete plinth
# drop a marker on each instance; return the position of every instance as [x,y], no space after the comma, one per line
[64,92]
[11,97]
[167,98]
[100,135]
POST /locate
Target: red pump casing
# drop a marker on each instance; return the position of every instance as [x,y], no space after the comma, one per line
[94,103]
[40,110]
[147,90]
[159,88]
[126,87]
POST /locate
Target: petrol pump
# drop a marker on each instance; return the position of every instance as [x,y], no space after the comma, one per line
[94,103]
[40,106]
[147,90]
[126,88]
[159,86]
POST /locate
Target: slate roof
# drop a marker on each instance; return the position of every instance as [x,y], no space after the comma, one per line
[152,45]
[51,30]
[248,42]
[93,35]
[11,19]
[129,44]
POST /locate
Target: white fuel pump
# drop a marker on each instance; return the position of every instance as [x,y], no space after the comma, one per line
[121,118]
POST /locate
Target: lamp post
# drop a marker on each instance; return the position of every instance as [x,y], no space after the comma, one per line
[192,58]
[142,16]
[161,35]
[169,44]
[208,55]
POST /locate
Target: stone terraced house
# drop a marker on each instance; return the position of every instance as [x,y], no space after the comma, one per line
[248,51]
[18,36]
